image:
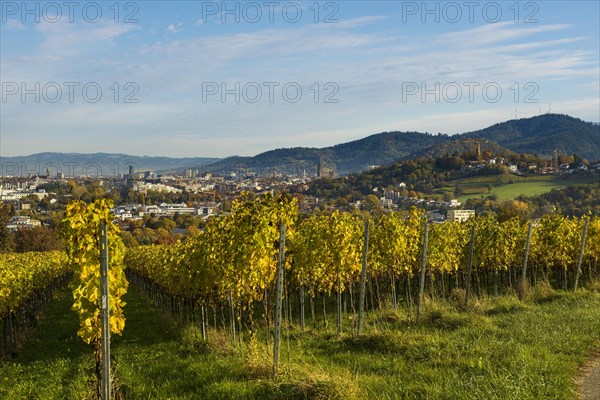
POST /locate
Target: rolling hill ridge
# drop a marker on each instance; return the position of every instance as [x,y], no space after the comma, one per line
[540,135]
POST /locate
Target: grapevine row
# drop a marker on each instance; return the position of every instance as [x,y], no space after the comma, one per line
[234,260]
[26,283]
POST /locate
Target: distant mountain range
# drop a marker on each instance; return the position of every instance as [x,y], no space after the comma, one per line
[540,135]
[104,164]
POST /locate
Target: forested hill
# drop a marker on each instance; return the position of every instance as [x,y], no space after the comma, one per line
[537,135]
[545,133]
[358,155]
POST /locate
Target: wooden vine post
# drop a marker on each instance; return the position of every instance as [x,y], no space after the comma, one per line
[104,313]
[301,295]
[278,299]
[363,280]
[580,258]
[523,283]
[339,305]
[469,265]
[422,272]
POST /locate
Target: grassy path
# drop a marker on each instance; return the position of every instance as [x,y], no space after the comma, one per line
[148,360]
[589,382]
[54,363]
[152,361]
[499,349]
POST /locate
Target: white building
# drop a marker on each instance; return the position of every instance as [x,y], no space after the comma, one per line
[20,222]
[176,208]
[454,203]
[157,187]
[386,203]
[460,215]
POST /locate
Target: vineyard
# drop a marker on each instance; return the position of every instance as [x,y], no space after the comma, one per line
[265,262]
[232,264]
[27,282]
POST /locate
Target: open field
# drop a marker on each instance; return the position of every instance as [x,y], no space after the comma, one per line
[499,348]
[508,187]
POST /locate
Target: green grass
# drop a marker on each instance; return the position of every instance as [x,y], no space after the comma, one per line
[509,187]
[501,349]
[534,187]
[54,363]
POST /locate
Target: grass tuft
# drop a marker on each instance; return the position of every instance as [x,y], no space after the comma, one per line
[374,342]
[257,361]
[391,316]
[308,383]
[443,317]
[191,341]
[506,305]
[594,286]
[542,293]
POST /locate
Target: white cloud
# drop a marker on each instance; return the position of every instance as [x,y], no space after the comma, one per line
[175,28]
[13,25]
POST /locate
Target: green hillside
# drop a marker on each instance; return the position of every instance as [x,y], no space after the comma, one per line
[509,187]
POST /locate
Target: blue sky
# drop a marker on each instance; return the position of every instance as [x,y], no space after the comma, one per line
[193,78]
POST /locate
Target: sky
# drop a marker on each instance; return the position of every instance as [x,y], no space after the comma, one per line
[215,79]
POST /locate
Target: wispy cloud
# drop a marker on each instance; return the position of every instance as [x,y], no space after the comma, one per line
[496,33]
[66,39]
